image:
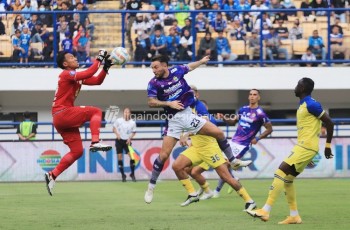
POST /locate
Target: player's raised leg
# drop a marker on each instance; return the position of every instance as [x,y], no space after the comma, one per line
[167,146]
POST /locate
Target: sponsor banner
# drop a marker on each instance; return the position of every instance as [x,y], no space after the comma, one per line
[28,161]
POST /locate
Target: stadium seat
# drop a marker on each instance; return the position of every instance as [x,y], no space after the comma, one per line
[300,46]
[308,28]
[6,49]
[238,47]
[38,50]
[287,44]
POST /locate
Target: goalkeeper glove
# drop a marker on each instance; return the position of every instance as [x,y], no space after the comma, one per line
[101,55]
[108,63]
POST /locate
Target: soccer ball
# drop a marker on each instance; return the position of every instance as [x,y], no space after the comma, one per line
[119,56]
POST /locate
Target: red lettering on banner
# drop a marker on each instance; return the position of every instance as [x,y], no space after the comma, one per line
[147,158]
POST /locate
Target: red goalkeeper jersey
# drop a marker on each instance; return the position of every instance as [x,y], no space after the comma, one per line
[70,82]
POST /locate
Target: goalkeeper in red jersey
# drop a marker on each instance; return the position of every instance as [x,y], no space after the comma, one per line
[67,118]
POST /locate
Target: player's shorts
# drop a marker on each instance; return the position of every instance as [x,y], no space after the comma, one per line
[300,158]
[211,155]
[238,150]
[121,145]
[184,121]
[25,54]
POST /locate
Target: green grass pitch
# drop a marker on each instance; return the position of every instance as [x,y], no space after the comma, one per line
[323,204]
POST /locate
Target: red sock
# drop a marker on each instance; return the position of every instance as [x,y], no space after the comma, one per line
[95,125]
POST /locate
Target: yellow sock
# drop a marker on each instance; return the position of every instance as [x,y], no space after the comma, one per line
[290,193]
[244,194]
[276,187]
[205,187]
[188,186]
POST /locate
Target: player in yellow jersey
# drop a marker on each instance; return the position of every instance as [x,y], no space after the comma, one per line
[205,149]
[310,115]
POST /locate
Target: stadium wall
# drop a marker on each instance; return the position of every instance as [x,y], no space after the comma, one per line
[223,88]
[28,161]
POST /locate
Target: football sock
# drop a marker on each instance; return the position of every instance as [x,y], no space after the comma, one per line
[157,169]
[226,148]
[291,195]
[120,166]
[205,187]
[76,151]
[132,166]
[244,194]
[221,183]
[95,125]
[276,187]
[188,186]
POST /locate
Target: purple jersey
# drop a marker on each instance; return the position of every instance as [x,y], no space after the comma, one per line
[249,124]
[172,88]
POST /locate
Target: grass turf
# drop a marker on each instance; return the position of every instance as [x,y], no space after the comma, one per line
[323,204]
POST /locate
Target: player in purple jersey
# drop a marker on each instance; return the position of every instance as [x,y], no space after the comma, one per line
[250,119]
[169,90]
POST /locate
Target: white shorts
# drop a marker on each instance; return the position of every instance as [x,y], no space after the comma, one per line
[238,150]
[184,121]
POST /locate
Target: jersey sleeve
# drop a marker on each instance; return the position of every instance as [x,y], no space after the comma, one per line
[134,127]
[78,76]
[263,117]
[315,108]
[151,90]
[184,69]
[201,109]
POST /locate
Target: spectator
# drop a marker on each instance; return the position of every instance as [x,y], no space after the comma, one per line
[27,128]
[273,43]
[17,24]
[154,22]
[237,32]
[315,4]
[65,7]
[83,16]
[242,5]
[258,6]
[83,47]
[25,45]
[31,23]
[139,23]
[337,46]
[156,3]
[158,42]
[46,19]
[275,5]
[143,47]
[280,16]
[16,44]
[212,14]
[254,45]
[188,26]
[288,4]
[336,24]
[173,43]
[17,6]
[27,7]
[201,25]
[167,18]
[296,32]
[62,27]
[265,20]
[340,13]
[90,28]
[207,46]
[219,24]
[67,44]
[282,31]
[36,32]
[206,6]
[306,5]
[48,50]
[74,24]
[317,46]
[229,5]
[223,49]
[130,17]
[181,16]
[185,50]
[308,56]
[176,27]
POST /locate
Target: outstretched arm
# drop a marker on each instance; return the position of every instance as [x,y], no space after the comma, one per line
[194,65]
[88,73]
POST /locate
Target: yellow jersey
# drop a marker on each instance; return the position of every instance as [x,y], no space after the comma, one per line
[308,123]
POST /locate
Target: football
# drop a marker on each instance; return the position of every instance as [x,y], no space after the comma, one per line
[119,56]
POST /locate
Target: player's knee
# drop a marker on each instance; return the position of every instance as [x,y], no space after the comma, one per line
[163,156]
[176,166]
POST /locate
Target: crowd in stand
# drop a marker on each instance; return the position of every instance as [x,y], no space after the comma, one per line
[171,33]
[32,34]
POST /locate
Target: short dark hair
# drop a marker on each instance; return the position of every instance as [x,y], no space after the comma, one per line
[161,58]
[26,115]
[61,56]
[308,85]
[256,90]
